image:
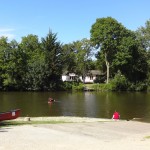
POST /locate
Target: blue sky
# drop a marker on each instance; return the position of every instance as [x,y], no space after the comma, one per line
[70,19]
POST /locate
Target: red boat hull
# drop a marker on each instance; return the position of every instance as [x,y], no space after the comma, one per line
[9,115]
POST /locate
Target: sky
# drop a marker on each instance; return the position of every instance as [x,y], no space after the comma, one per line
[71,20]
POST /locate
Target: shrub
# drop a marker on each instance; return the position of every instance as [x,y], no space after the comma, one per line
[66,86]
[119,82]
[102,87]
[79,87]
[140,86]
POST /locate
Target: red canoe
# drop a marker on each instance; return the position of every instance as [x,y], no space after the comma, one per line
[9,115]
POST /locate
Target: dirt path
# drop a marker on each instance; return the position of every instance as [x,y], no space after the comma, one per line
[87,135]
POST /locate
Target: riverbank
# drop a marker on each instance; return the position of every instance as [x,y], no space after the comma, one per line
[68,119]
[79,134]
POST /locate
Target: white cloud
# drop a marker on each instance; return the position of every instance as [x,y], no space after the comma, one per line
[7,32]
[8,35]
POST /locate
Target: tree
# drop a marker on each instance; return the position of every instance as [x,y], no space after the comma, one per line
[108,35]
[83,50]
[33,79]
[80,53]
[143,34]
[69,57]
[4,59]
[12,65]
[18,68]
[53,60]
[131,60]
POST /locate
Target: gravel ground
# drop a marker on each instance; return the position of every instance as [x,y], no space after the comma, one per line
[81,134]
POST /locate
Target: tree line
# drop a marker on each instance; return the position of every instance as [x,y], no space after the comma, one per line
[37,64]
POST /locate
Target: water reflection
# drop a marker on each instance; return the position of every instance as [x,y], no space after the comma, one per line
[84,104]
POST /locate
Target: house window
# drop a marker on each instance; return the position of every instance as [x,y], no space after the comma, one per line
[91,77]
[72,78]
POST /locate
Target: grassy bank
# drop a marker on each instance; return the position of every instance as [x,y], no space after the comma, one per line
[16,123]
[49,120]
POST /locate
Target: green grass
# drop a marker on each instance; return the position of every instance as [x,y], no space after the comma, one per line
[89,85]
[99,87]
[17,123]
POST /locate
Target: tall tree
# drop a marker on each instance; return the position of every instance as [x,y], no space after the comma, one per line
[18,67]
[143,34]
[107,34]
[35,61]
[4,59]
[53,60]
[131,60]
[12,65]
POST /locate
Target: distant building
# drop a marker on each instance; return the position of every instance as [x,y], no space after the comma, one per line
[89,78]
[66,76]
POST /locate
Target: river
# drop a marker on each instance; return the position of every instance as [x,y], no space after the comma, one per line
[82,104]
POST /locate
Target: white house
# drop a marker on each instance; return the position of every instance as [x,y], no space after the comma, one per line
[69,76]
[89,78]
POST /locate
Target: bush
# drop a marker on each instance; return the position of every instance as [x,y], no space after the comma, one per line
[66,86]
[79,87]
[140,86]
[119,82]
[72,86]
[102,87]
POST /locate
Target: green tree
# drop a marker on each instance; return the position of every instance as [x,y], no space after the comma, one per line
[35,62]
[119,49]
[18,68]
[78,57]
[4,59]
[131,60]
[69,57]
[106,34]
[143,34]
[83,55]
[53,60]
[12,65]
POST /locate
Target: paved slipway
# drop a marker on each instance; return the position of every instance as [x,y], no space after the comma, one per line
[82,134]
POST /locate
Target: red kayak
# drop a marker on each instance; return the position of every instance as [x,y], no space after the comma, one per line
[9,115]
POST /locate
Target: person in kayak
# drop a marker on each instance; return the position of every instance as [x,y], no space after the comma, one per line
[51,100]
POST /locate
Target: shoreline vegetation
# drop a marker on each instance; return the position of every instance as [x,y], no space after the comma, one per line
[121,56]
[112,86]
[37,64]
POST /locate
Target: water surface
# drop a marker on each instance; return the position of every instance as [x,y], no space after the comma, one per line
[83,104]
